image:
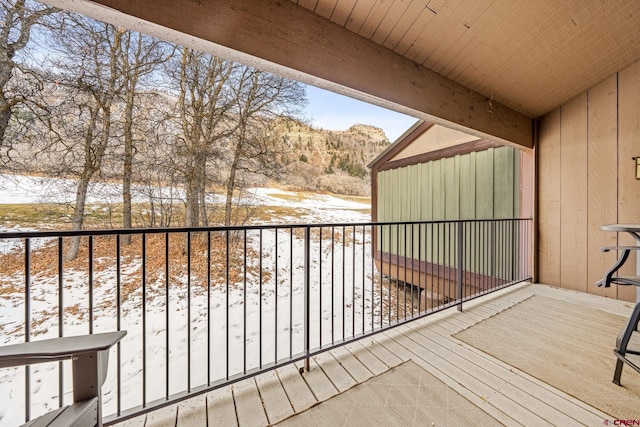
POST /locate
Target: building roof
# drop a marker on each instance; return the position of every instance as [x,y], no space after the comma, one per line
[426,141]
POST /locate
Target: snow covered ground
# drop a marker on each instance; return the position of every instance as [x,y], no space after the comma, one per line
[257,318]
[312,208]
[35,189]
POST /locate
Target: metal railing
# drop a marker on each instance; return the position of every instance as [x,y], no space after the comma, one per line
[206,307]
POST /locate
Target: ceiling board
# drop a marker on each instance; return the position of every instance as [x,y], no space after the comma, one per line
[531,56]
[391,19]
[342,11]
[375,18]
[326,8]
[397,31]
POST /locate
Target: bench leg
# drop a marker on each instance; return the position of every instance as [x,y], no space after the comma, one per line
[89,373]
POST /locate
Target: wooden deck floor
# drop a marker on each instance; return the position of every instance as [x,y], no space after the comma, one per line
[510,396]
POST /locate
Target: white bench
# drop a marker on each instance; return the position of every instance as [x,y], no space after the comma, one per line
[90,358]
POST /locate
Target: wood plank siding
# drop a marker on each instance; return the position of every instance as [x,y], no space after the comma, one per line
[586,179]
[431,186]
[475,185]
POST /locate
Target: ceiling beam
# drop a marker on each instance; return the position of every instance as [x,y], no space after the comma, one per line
[282,37]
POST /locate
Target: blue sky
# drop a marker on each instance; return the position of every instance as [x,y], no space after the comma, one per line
[329,110]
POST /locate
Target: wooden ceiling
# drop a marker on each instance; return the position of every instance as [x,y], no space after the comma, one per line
[488,67]
[530,56]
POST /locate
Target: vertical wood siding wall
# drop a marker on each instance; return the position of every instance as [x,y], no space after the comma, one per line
[478,185]
[586,179]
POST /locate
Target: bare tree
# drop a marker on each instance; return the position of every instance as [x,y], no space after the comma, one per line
[86,59]
[140,56]
[204,101]
[18,18]
[156,174]
[160,188]
[260,97]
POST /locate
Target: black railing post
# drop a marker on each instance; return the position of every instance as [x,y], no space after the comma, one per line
[460,265]
[90,273]
[307,296]
[60,319]
[144,318]
[27,326]
[118,325]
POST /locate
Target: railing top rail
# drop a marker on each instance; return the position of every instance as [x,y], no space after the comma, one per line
[125,231]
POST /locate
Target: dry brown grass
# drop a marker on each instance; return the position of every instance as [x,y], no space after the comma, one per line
[44,261]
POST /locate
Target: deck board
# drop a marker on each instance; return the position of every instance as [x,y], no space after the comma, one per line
[275,399]
[249,408]
[358,371]
[134,422]
[338,375]
[297,390]
[320,385]
[193,412]
[509,395]
[163,417]
[368,359]
[382,353]
[221,409]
